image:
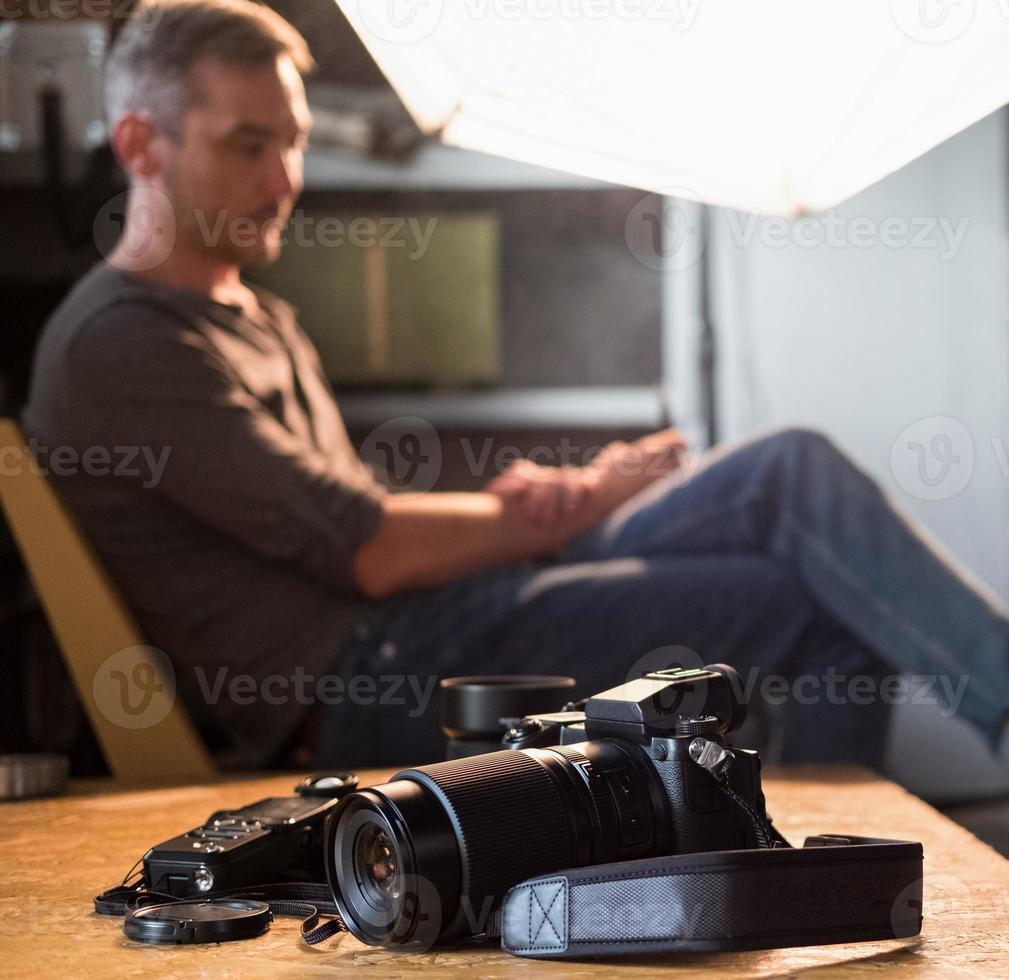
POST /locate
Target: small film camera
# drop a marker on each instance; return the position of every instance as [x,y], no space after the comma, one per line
[275,839]
[644,771]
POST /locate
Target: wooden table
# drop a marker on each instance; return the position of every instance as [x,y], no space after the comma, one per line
[55,855]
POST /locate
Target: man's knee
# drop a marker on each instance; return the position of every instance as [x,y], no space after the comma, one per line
[804,441]
[798,447]
[789,458]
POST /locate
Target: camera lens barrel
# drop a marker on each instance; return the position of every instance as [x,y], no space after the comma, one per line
[510,820]
[466,830]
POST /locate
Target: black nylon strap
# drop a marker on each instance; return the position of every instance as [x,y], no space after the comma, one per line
[305,899]
[832,890]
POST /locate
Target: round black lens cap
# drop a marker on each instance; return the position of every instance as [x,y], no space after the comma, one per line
[217,920]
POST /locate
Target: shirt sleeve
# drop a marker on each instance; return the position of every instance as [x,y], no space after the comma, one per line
[143,378]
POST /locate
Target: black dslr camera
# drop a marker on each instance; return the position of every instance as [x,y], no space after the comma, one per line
[644,771]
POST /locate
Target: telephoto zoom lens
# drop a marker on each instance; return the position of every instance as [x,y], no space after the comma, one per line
[428,856]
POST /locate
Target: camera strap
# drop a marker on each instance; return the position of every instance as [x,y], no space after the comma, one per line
[834,889]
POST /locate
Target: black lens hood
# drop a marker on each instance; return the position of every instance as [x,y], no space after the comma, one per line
[478,707]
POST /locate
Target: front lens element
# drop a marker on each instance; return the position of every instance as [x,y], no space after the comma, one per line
[393,864]
[377,866]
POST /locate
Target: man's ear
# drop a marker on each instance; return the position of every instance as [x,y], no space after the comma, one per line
[135,143]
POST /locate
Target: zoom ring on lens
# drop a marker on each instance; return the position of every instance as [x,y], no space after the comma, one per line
[509,814]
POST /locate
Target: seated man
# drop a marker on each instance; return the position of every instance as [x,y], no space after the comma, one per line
[247,537]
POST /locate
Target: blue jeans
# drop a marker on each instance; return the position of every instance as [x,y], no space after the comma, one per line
[778,556]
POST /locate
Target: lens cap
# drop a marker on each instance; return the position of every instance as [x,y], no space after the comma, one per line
[217,920]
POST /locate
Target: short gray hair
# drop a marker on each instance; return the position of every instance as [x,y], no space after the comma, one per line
[147,69]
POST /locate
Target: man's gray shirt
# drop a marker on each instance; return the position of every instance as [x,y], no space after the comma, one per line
[231,529]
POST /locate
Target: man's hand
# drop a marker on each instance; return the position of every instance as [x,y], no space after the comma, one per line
[532,511]
[543,494]
[546,495]
[646,459]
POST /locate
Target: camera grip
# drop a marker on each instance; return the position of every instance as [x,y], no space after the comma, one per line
[702,817]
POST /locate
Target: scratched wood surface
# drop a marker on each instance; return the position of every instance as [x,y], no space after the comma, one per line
[55,855]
